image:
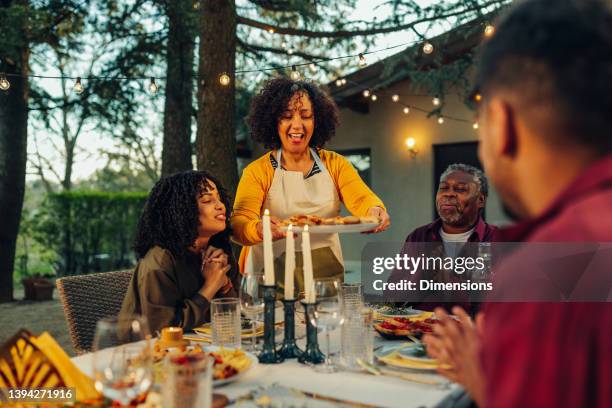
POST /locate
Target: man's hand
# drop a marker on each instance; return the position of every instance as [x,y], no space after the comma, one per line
[275,224]
[457,345]
[385,220]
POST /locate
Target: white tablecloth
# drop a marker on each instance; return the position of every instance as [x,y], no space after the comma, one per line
[383,391]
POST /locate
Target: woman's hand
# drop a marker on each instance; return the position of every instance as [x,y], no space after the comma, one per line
[385,220]
[275,224]
[215,266]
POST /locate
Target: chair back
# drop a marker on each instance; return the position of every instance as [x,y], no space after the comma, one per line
[89,298]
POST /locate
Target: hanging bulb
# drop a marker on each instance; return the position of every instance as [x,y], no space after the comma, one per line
[395,98]
[440,120]
[343,81]
[428,47]
[362,60]
[478,97]
[406,110]
[295,74]
[366,93]
[489,30]
[283,45]
[4,83]
[374,98]
[410,142]
[78,86]
[290,51]
[312,66]
[436,101]
[475,125]
[224,79]
[338,83]
[153,88]
[271,30]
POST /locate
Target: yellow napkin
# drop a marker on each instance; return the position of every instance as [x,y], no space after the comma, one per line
[73,377]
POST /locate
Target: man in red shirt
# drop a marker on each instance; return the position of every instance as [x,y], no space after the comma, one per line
[545,79]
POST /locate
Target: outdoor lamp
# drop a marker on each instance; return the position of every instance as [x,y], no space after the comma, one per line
[411,143]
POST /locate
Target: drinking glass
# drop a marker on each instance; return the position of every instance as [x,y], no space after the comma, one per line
[252,301]
[187,381]
[352,296]
[122,360]
[357,338]
[328,315]
[225,316]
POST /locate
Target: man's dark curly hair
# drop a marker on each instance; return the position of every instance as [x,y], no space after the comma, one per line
[268,106]
[170,217]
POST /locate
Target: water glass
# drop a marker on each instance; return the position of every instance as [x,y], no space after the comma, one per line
[225,316]
[356,338]
[187,381]
[328,315]
[122,360]
[252,301]
[352,296]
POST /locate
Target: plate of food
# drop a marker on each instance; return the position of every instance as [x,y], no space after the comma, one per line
[246,329]
[401,328]
[411,356]
[229,364]
[320,225]
[396,311]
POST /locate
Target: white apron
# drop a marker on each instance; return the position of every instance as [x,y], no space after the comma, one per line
[291,194]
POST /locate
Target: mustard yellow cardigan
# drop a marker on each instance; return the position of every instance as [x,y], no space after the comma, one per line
[256,181]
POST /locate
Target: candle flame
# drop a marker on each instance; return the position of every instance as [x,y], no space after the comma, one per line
[306,228]
[266,212]
[290,227]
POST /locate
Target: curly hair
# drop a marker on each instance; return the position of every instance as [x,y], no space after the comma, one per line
[170,217]
[268,106]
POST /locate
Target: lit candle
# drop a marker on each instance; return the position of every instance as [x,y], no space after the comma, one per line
[268,254]
[308,275]
[289,263]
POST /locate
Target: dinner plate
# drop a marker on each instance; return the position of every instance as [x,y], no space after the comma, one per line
[341,229]
[409,351]
[206,331]
[251,356]
[390,312]
[396,360]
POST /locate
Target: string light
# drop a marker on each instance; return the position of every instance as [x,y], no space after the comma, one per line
[478,97]
[410,142]
[224,79]
[374,98]
[283,45]
[78,86]
[4,83]
[489,30]
[436,101]
[440,120]
[395,97]
[475,125]
[428,47]
[153,86]
[313,67]
[406,110]
[290,51]
[366,93]
[343,81]
[362,60]
[338,83]
[295,74]
[271,30]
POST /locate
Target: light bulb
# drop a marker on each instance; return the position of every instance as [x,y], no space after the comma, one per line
[362,60]
[313,67]
[271,30]
[153,86]
[374,98]
[410,142]
[436,101]
[428,47]
[475,125]
[440,120]
[406,110]
[489,30]
[290,51]
[343,81]
[283,45]
[395,98]
[478,97]
[78,86]
[338,82]
[4,83]
[366,93]
[224,79]
[295,74]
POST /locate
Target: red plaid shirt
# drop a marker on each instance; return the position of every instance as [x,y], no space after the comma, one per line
[555,354]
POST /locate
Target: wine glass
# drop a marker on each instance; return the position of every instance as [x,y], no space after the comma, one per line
[328,315]
[122,360]
[252,301]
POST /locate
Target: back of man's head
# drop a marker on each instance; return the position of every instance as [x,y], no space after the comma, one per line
[554,57]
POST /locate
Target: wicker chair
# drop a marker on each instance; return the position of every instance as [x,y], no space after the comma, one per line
[89,298]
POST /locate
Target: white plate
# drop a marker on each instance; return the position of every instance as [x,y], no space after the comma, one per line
[405,351]
[341,229]
[251,356]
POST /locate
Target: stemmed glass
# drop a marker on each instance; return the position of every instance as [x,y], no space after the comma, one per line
[252,301]
[328,315]
[122,360]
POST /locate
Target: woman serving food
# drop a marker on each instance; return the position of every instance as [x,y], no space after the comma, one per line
[297,178]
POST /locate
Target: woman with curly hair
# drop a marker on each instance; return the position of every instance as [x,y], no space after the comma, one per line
[184,253]
[294,120]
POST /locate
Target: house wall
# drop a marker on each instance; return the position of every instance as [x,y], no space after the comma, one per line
[405,184]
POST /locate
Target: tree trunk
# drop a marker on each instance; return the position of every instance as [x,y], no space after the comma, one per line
[216,140]
[176,153]
[13,152]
